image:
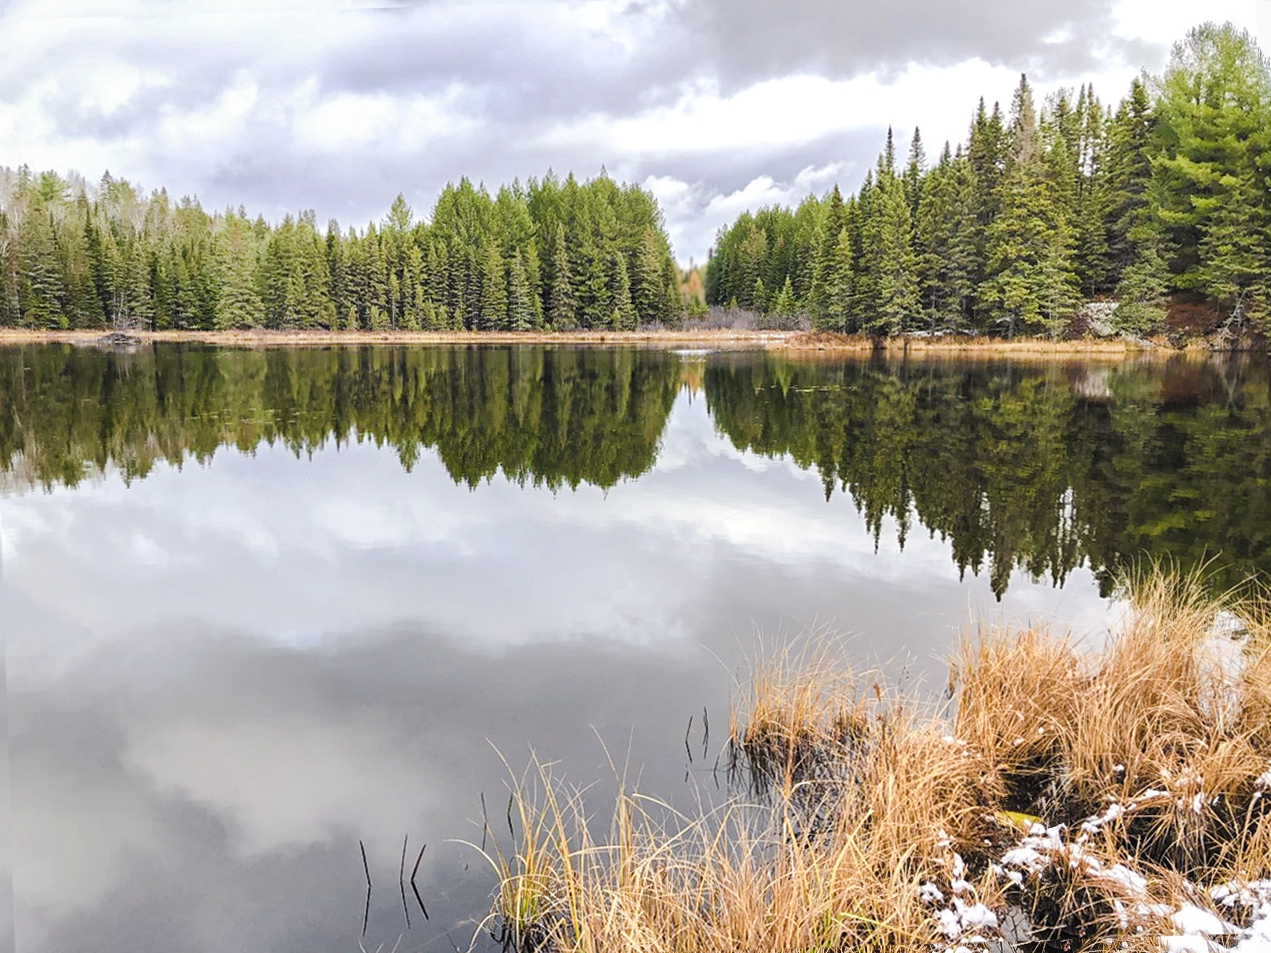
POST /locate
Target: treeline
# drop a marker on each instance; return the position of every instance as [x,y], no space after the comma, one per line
[546,417]
[1042,468]
[550,254]
[1038,211]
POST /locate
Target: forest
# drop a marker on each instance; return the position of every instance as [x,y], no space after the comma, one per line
[1166,197]
[551,254]
[1044,468]
[1162,200]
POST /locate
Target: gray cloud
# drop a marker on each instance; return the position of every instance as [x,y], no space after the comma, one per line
[753,39]
[338,107]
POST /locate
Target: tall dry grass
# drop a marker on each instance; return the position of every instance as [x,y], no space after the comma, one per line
[1071,795]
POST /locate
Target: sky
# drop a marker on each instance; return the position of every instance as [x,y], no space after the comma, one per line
[715,106]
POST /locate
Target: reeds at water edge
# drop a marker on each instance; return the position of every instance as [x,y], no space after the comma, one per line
[1067,796]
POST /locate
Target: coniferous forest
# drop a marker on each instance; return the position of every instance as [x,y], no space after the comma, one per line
[1165,195]
[549,255]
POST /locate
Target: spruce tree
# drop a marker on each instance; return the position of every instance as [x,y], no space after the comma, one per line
[832,225]
[39,279]
[1031,284]
[914,171]
[520,297]
[239,303]
[562,309]
[494,295]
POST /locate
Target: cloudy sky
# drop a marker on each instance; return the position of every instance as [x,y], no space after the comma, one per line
[714,105]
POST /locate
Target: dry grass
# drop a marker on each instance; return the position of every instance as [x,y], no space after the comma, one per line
[722,338]
[1070,796]
[799,344]
[961,346]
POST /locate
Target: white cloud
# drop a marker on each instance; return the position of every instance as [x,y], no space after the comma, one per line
[274,104]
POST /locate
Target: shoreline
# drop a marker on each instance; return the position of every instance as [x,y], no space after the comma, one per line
[792,343]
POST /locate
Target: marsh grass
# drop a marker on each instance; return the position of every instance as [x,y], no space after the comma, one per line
[1066,796]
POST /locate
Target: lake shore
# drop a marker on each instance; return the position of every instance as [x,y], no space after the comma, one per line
[1066,798]
[792,342]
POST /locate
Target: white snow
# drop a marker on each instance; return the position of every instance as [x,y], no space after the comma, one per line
[965,918]
[1187,944]
[930,893]
[1092,825]
[1132,881]
[1192,920]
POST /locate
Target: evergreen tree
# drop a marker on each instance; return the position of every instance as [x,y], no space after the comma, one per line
[494,295]
[1030,283]
[39,281]
[521,315]
[562,309]
[914,171]
[1209,178]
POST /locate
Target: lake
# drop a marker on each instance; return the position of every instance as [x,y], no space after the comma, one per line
[261,607]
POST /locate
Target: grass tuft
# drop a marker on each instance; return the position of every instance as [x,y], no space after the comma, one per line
[1072,796]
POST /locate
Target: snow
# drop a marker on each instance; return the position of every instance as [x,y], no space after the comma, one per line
[930,893]
[1093,825]
[1132,881]
[1254,896]
[1187,944]
[965,918]
[1027,857]
[1192,920]
[1194,928]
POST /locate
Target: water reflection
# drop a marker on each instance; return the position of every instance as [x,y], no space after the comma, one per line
[222,677]
[555,417]
[1042,467]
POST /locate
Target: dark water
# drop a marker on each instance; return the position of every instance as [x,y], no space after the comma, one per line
[258,606]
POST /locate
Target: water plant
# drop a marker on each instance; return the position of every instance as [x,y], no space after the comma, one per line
[1105,793]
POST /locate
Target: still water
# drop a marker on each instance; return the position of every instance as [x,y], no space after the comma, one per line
[259,606]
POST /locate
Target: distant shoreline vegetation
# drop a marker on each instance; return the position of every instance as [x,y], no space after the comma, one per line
[1068,219]
[1161,205]
[551,254]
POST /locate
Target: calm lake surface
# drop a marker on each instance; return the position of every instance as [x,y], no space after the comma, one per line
[259,606]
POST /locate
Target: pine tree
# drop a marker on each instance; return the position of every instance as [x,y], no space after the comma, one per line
[1214,111]
[239,303]
[494,296]
[1030,283]
[520,297]
[838,306]
[892,264]
[562,308]
[39,281]
[825,271]
[647,291]
[623,315]
[784,304]
[944,230]
[914,171]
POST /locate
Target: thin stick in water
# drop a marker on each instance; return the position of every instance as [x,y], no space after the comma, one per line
[366,869]
[401,880]
[485,822]
[414,886]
